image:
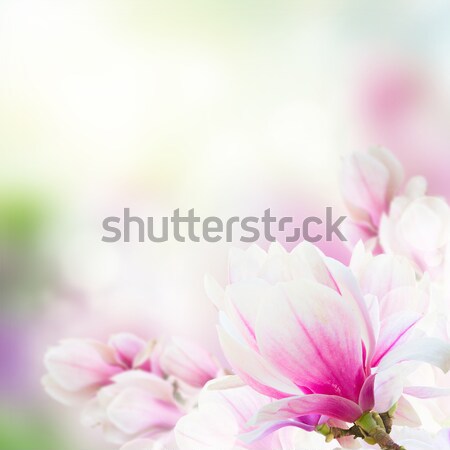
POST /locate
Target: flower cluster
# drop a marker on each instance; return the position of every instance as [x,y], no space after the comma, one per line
[322,355]
[131,388]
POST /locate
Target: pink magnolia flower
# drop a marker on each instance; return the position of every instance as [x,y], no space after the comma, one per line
[418,227]
[132,389]
[391,217]
[137,404]
[369,182]
[78,368]
[300,328]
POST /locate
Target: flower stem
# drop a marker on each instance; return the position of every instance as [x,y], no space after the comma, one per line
[374,428]
[373,425]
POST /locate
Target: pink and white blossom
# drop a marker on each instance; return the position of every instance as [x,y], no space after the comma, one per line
[303,329]
[136,404]
[395,217]
[78,368]
[418,227]
[369,182]
[131,388]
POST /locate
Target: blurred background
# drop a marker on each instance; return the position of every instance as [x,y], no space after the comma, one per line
[228,107]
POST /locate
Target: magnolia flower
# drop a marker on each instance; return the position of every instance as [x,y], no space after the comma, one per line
[369,183]
[391,217]
[137,404]
[300,328]
[132,389]
[224,407]
[78,368]
[418,227]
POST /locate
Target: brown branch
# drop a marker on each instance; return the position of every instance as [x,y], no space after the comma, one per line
[372,427]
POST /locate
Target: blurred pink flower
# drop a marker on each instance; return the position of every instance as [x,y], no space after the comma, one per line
[189,363]
[77,368]
[391,217]
[133,389]
[403,108]
[418,227]
[301,328]
[137,404]
[369,181]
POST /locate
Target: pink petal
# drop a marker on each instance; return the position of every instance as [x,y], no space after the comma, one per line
[393,166]
[311,264]
[429,350]
[214,292]
[401,299]
[425,223]
[300,332]
[406,415]
[135,410]
[225,382]
[293,407]
[255,370]
[389,385]
[365,187]
[386,272]
[366,399]
[220,417]
[158,387]
[77,364]
[68,398]
[259,435]
[243,300]
[393,332]
[355,232]
[210,427]
[426,391]
[127,347]
[188,362]
[351,293]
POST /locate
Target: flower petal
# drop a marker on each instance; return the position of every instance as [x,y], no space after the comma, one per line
[294,407]
[254,369]
[127,346]
[426,391]
[429,350]
[78,364]
[300,332]
[394,330]
[135,410]
[350,291]
[368,184]
[188,362]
